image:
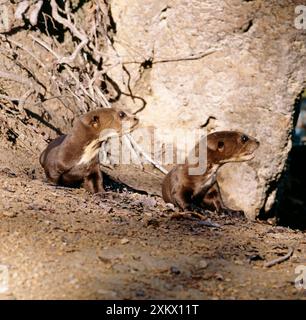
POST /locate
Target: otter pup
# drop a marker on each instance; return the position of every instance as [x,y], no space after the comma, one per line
[72,159]
[185,190]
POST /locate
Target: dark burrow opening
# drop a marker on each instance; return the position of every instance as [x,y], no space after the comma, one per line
[291,206]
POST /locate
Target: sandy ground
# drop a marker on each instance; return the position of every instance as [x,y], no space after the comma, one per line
[60,243]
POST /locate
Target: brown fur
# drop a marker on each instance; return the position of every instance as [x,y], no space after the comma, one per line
[72,159]
[185,190]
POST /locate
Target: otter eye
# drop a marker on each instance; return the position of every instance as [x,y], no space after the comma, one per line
[220,145]
[122,114]
[244,138]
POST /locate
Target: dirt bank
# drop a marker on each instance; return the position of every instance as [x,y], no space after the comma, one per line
[67,244]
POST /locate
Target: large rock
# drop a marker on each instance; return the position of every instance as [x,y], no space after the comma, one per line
[215,65]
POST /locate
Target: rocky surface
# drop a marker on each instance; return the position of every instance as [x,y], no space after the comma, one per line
[217,66]
[62,243]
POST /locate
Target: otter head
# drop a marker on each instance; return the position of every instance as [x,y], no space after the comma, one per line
[107,122]
[230,146]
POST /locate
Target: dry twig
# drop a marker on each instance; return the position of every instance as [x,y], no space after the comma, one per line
[279,260]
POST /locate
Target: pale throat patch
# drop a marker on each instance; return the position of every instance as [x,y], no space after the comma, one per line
[211,176]
[90,151]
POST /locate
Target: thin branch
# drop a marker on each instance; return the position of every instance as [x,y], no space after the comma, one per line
[9,98]
[21,46]
[73,29]
[21,9]
[146,156]
[16,78]
[46,46]
[43,65]
[24,98]
[279,260]
[197,56]
[35,12]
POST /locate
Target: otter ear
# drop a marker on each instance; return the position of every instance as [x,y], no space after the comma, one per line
[212,144]
[220,146]
[95,122]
